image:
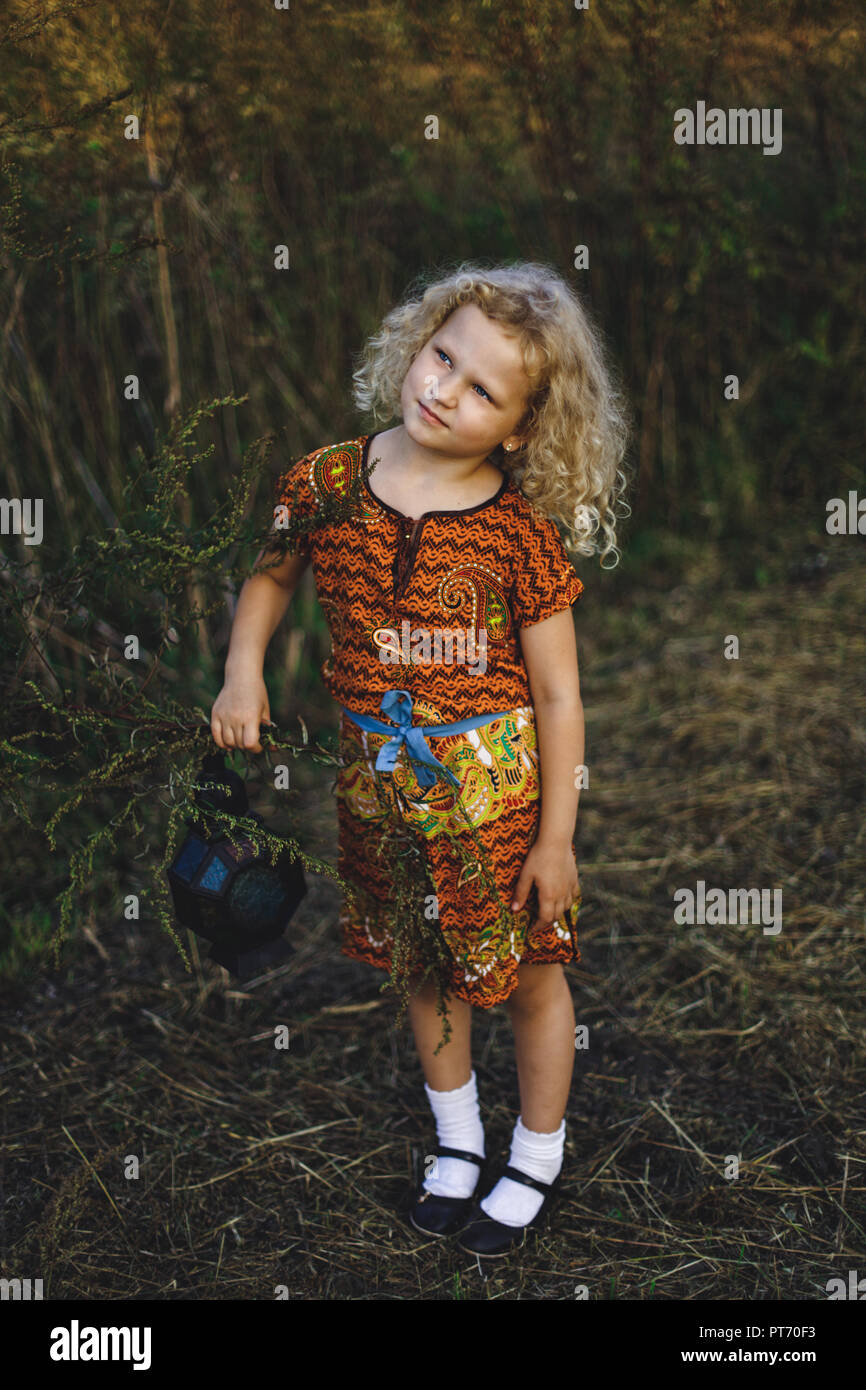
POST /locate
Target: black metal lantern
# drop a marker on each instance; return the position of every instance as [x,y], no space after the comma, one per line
[228,892]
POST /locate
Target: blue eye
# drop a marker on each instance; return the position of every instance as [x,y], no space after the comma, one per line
[443,353]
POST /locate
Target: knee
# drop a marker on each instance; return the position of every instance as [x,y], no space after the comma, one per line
[537,985]
[422,994]
[426,995]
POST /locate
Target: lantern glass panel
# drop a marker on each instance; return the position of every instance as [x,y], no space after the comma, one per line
[190,857]
[214,875]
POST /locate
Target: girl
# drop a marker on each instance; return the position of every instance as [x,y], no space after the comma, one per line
[510,420]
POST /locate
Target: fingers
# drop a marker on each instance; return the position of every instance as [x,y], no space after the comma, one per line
[243,734]
[552,910]
[547,914]
[250,736]
[238,712]
[524,883]
[228,736]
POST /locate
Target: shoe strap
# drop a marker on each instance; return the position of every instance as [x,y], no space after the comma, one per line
[443,1152]
[517,1176]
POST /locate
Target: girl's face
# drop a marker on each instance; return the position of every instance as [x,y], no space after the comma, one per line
[470,375]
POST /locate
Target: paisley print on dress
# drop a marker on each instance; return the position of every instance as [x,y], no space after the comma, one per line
[476,593]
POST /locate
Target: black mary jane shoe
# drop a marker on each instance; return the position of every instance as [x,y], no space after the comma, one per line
[443,1216]
[490,1239]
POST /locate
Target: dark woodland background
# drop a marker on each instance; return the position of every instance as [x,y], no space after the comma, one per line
[155,257]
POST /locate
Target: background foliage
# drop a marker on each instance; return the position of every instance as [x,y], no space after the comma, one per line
[155,257]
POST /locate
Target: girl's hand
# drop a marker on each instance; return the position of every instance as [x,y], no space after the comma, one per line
[553,870]
[239,709]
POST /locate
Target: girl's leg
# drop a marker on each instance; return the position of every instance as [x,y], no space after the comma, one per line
[454,1063]
[542,1016]
[451,1090]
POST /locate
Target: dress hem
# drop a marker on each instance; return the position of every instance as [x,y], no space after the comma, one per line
[370,957]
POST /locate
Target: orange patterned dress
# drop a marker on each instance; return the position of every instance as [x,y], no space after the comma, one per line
[388,584]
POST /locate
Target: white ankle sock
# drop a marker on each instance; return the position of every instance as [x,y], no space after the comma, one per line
[539,1155]
[458,1125]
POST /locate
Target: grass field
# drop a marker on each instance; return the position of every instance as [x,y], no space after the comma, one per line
[262,1168]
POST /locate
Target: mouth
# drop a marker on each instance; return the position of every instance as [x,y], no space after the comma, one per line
[428,414]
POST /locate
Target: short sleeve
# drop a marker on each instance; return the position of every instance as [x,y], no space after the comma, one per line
[545,580]
[294,493]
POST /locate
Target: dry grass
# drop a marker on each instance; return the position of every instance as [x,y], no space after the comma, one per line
[262,1168]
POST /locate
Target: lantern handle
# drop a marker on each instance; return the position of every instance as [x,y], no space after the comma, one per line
[229,795]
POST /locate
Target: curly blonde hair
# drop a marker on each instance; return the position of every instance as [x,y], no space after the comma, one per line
[577,422]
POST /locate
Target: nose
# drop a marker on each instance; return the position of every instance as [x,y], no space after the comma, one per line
[444,393]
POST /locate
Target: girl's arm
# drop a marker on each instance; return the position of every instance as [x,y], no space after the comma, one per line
[261,606]
[242,704]
[550,654]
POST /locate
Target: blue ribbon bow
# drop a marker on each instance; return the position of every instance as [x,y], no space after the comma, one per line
[397,706]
